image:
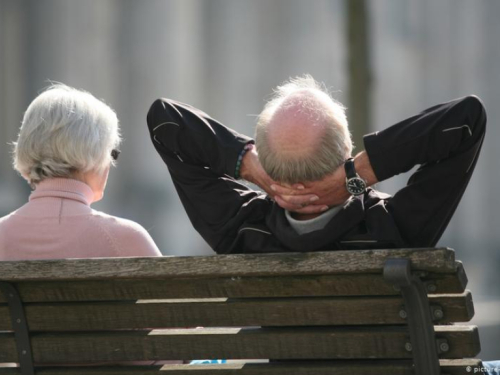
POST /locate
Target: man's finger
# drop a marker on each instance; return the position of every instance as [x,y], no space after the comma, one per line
[300,200]
[282,190]
[312,209]
[305,208]
[285,205]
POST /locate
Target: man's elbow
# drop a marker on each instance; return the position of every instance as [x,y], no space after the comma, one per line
[477,111]
[474,101]
[154,113]
[476,104]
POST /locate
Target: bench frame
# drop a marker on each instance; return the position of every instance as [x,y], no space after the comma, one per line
[416,310]
[20,325]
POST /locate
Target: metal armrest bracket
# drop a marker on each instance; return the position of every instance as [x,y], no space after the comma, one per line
[423,342]
[20,327]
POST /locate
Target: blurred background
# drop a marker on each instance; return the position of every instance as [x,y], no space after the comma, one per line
[384,59]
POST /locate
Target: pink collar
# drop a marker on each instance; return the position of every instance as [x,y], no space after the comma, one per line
[63,188]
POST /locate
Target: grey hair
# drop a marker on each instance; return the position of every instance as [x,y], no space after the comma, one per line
[334,147]
[65,130]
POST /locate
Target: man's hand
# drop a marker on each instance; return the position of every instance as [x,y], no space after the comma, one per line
[303,202]
[331,189]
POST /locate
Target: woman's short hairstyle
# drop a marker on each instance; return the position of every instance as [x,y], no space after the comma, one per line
[65,130]
[334,147]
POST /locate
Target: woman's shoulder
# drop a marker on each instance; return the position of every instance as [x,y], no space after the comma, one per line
[131,238]
[8,219]
[115,222]
[4,219]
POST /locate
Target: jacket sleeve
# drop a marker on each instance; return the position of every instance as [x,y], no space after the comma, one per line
[445,141]
[194,137]
[201,155]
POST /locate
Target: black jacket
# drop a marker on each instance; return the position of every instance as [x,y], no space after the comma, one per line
[201,155]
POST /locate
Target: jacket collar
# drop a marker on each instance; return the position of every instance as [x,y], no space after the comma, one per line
[63,188]
[351,214]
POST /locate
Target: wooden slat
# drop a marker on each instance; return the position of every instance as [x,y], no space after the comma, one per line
[334,262]
[229,313]
[402,367]
[233,343]
[459,346]
[456,308]
[461,366]
[384,367]
[227,287]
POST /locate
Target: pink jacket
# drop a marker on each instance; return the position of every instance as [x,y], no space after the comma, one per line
[58,222]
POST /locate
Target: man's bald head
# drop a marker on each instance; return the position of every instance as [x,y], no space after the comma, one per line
[302,133]
[286,128]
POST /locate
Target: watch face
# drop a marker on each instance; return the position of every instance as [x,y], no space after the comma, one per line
[356,186]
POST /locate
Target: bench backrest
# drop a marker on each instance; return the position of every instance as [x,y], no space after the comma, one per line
[332,311]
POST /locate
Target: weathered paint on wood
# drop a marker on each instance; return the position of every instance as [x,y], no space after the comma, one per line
[333,262]
[234,343]
[229,313]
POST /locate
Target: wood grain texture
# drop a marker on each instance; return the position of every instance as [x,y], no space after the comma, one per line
[337,311]
[461,366]
[334,262]
[232,343]
[227,287]
[367,367]
[326,290]
[455,334]
[456,308]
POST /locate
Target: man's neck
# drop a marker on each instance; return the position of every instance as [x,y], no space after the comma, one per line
[310,223]
[302,217]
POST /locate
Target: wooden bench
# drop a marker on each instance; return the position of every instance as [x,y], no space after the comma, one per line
[344,312]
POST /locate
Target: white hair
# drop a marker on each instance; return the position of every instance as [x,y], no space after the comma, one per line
[334,147]
[65,130]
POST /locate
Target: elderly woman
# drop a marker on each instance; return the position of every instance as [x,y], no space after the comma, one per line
[66,146]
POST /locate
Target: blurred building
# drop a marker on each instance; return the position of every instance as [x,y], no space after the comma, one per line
[225,56]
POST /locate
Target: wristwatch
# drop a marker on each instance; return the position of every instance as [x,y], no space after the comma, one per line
[354,184]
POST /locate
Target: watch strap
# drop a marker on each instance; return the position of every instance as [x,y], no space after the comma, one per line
[350,171]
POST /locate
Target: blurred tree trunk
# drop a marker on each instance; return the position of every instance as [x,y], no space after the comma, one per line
[359,108]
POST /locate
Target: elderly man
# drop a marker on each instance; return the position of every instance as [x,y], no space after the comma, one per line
[317,197]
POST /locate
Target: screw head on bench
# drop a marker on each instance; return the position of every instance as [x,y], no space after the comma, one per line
[438,314]
[444,347]
[403,314]
[408,347]
[431,287]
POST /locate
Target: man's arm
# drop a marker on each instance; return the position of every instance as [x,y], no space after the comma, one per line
[202,156]
[252,171]
[331,190]
[190,135]
[444,140]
